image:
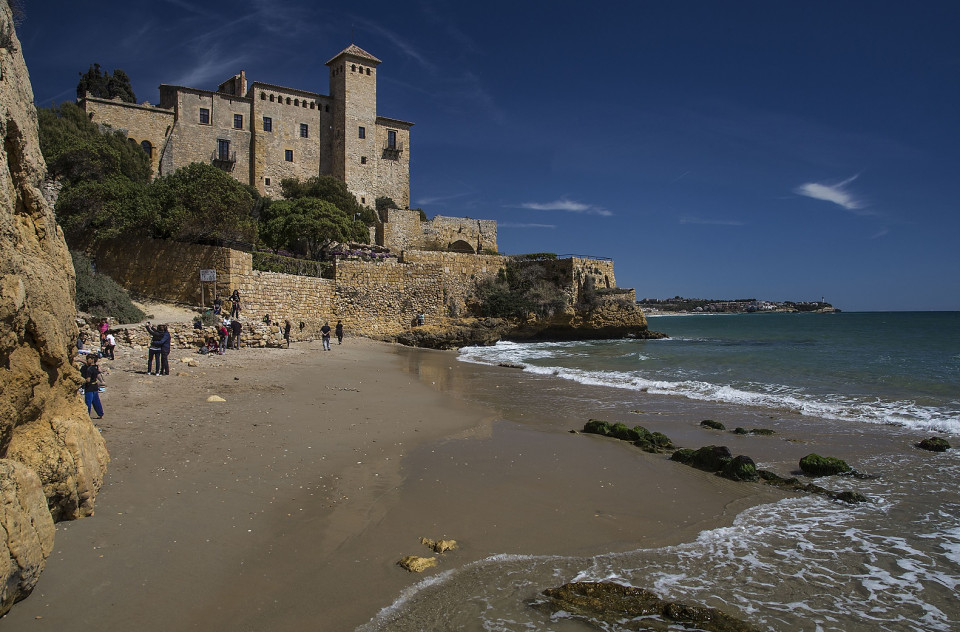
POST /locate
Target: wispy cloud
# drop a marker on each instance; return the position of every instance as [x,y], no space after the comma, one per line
[835,193]
[520,225]
[711,222]
[566,204]
[213,68]
[394,38]
[880,233]
[437,199]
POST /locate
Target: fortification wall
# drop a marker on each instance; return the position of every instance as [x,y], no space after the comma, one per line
[401,230]
[384,298]
[459,273]
[140,122]
[461,233]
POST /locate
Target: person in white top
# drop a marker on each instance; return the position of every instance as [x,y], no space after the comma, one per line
[109,344]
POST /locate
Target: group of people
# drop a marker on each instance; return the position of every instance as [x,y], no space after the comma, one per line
[235,306]
[325,334]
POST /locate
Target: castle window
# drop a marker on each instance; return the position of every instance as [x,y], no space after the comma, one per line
[363,132]
[353,68]
[391,139]
[304,130]
[263,96]
[312,105]
[361,70]
[363,200]
[204,116]
[326,108]
[238,121]
[288,155]
[267,124]
[266,181]
[303,103]
[296,102]
[271,98]
[288,100]
[223,149]
[363,160]
[147,147]
[368,72]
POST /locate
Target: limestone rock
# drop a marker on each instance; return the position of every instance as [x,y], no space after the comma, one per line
[439,546]
[44,425]
[417,564]
[215,398]
[27,527]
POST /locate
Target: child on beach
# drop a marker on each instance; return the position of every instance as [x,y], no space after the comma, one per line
[92,379]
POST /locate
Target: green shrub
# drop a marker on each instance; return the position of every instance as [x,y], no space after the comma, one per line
[100,295]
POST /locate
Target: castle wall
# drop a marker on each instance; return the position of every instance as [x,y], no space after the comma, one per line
[139,122]
[192,141]
[393,161]
[287,110]
[458,273]
[458,233]
[402,230]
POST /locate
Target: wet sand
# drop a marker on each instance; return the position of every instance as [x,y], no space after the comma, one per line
[287,506]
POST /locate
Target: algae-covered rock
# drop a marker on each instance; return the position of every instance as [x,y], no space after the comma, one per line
[755,431]
[713,425]
[710,458]
[624,432]
[934,444]
[439,546]
[850,496]
[683,455]
[606,604]
[416,564]
[596,426]
[816,465]
[740,431]
[740,468]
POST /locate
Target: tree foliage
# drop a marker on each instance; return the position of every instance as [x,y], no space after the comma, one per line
[202,203]
[105,85]
[307,225]
[331,190]
[103,209]
[76,149]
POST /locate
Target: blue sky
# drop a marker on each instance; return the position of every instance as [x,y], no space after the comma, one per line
[777,150]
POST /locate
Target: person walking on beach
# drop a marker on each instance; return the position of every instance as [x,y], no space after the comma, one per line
[325,336]
[338,330]
[237,328]
[154,351]
[286,332]
[92,379]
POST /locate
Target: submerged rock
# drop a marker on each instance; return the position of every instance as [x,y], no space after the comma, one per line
[641,437]
[816,465]
[934,444]
[755,431]
[714,425]
[605,604]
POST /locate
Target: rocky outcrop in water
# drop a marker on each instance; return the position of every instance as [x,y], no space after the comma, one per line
[51,455]
[816,465]
[934,444]
[609,605]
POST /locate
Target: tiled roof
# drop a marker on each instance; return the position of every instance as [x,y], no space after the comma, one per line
[355,51]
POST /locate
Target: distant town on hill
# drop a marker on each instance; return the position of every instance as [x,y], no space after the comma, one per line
[681,305]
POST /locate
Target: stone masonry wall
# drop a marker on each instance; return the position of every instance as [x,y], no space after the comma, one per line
[447,232]
[459,273]
[142,122]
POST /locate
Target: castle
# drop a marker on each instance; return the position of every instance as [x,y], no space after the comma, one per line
[262,133]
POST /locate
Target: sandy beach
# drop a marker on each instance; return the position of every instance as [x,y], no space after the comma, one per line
[287,506]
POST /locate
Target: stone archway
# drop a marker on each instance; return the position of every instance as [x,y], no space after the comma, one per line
[461,246]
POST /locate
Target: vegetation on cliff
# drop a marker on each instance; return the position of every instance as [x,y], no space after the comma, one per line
[519,290]
[100,296]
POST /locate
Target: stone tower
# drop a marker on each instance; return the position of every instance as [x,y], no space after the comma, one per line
[353,90]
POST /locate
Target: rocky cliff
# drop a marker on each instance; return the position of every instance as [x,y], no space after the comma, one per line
[52,459]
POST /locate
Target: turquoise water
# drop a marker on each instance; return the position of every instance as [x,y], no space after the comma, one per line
[803,563]
[898,368]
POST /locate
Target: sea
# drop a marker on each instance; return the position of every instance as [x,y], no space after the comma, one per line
[802,563]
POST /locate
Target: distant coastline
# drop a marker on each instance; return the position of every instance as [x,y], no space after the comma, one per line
[680,306]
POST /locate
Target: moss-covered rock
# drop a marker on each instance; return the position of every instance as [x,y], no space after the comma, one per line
[740,468]
[596,426]
[713,425]
[740,431]
[755,431]
[606,604]
[683,455]
[654,442]
[934,444]
[851,496]
[624,432]
[816,465]
[710,458]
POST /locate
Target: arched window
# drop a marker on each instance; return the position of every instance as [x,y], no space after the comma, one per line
[147,147]
[263,96]
[368,71]
[361,69]
[296,102]
[353,68]
[271,98]
[288,100]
